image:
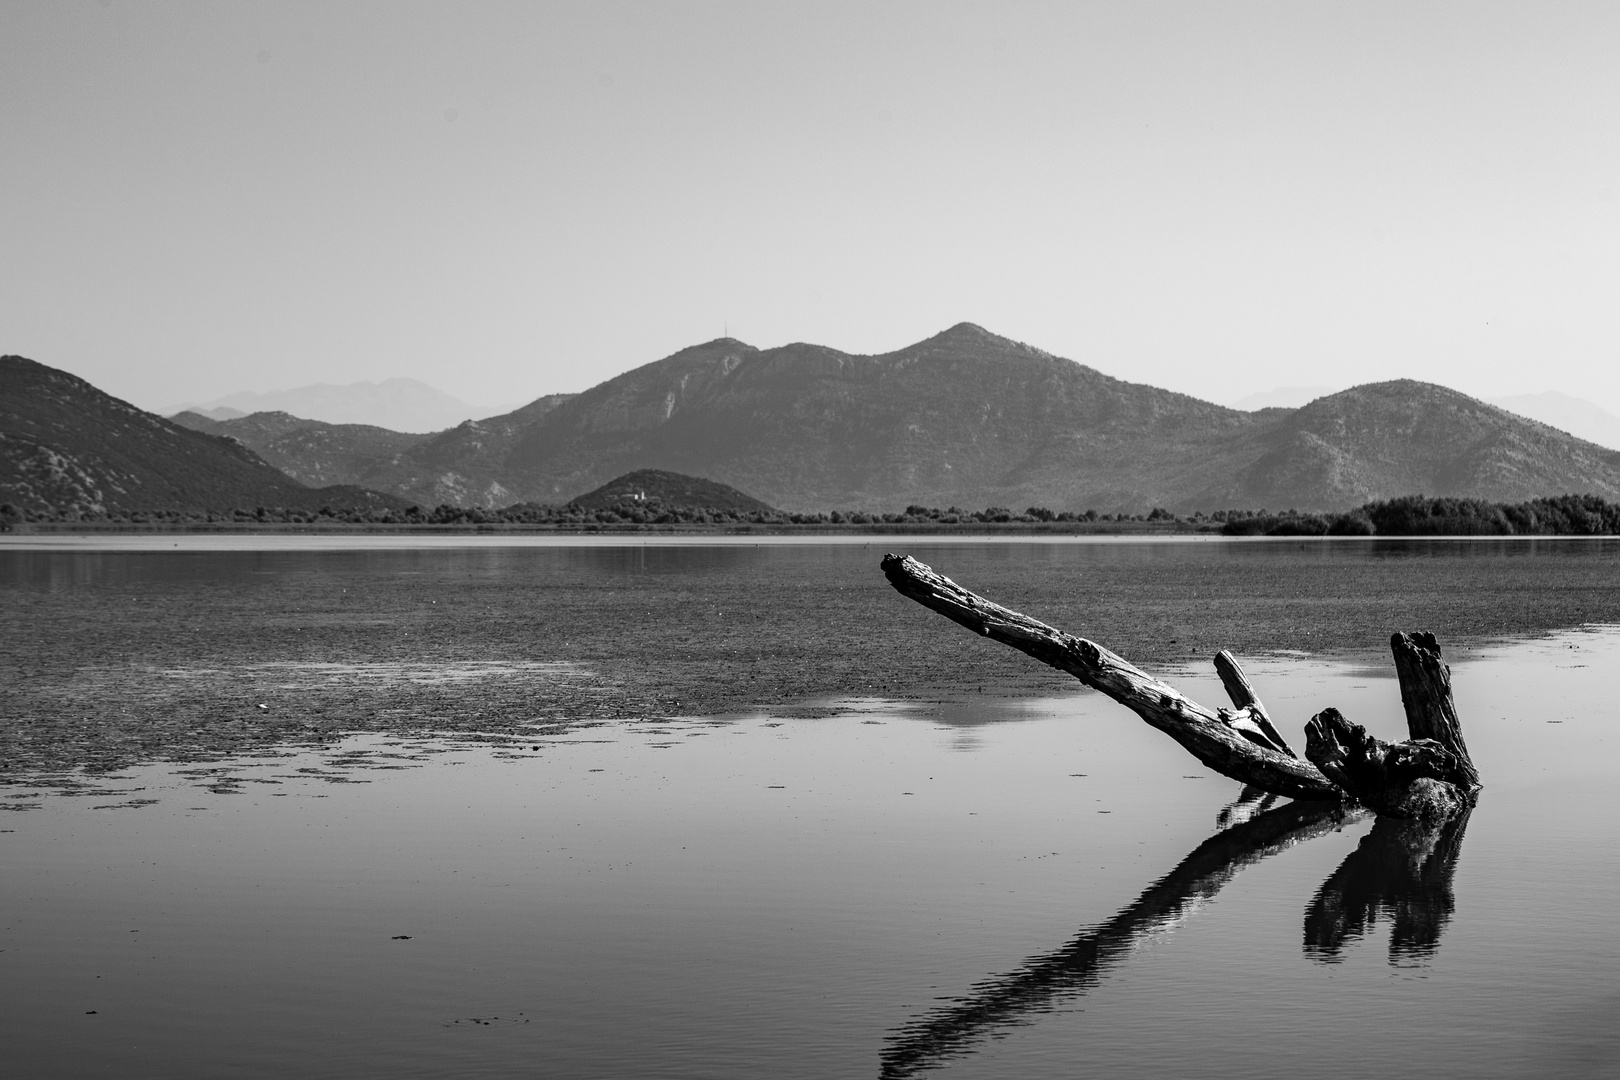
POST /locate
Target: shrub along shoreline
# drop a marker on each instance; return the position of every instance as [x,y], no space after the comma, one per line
[1411,515]
[1421,515]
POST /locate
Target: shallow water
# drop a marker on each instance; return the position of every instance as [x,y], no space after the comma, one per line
[977,885]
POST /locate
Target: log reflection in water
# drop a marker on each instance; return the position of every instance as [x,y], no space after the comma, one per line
[1033,988]
[1402,870]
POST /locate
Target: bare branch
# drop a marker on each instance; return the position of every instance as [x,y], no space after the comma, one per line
[1242,693]
[1204,733]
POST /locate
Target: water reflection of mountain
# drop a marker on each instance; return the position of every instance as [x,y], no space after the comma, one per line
[1400,869]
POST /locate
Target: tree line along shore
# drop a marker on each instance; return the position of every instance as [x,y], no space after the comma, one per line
[1411,515]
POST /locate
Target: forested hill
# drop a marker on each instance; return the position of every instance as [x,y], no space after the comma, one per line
[655,487]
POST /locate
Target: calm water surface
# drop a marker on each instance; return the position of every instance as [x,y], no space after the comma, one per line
[990,887]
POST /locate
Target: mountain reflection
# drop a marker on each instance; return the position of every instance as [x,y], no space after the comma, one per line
[1401,870]
[1041,981]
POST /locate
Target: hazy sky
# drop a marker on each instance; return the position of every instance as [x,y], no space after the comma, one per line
[506,200]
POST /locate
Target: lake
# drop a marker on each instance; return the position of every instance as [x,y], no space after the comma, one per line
[730,810]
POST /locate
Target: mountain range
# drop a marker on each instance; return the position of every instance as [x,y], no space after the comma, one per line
[397,404]
[963,418]
[462,466]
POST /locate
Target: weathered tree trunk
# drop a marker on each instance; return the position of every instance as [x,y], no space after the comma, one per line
[1234,744]
[1414,779]
[1426,694]
[1430,776]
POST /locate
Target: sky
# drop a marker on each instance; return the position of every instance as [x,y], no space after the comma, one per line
[509,200]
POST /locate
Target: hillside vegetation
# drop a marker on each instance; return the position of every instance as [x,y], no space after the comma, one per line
[67,447]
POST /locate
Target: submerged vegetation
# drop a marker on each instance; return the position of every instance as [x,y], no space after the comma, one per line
[1409,515]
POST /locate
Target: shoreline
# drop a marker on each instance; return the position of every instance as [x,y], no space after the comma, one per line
[345,536]
[344,528]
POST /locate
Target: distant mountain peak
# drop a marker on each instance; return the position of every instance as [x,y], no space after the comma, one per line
[1282,397]
[1409,393]
[969,335]
[966,337]
[399,404]
[715,345]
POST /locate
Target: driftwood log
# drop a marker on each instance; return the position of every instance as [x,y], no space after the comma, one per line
[1429,776]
